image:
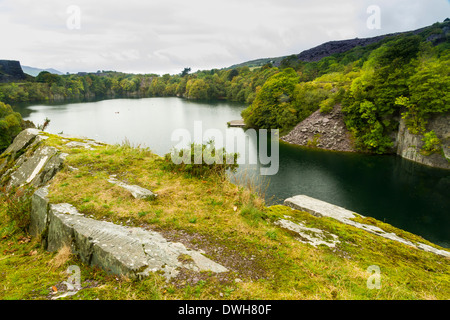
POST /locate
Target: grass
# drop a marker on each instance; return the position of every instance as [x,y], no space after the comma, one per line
[230,223]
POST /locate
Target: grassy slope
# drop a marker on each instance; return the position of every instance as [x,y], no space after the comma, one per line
[229,223]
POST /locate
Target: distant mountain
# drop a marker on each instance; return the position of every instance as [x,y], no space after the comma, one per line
[35,71]
[435,33]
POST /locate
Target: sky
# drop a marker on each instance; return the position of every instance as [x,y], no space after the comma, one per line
[165,36]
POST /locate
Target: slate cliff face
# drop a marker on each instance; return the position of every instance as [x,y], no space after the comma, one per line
[409,145]
[10,70]
[328,132]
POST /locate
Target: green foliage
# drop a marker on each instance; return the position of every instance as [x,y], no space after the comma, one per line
[11,124]
[201,160]
[371,104]
[272,107]
[18,206]
[431,144]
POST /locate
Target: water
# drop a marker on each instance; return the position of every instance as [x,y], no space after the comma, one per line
[407,195]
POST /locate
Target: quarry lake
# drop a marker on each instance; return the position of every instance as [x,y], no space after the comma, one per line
[407,195]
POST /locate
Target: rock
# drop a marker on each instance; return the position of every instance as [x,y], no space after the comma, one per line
[87,144]
[34,163]
[409,145]
[11,70]
[313,236]
[38,215]
[136,191]
[320,209]
[76,144]
[133,252]
[38,168]
[330,126]
[23,139]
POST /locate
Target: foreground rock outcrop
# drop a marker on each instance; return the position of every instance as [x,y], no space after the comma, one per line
[134,252]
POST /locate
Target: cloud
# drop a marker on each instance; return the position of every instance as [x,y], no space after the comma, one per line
[164,36]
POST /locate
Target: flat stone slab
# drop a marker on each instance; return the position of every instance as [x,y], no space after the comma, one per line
[313,236]
[88,144]
[133,252]
[136,191]
[320,208]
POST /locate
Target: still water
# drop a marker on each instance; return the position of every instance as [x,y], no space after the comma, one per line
[409,196]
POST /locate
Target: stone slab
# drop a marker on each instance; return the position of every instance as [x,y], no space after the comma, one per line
[136,191]
[320,208]
[130,251]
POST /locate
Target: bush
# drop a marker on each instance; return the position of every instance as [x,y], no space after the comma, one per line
[201,160]
[432,143]
[18,206]
[11,124]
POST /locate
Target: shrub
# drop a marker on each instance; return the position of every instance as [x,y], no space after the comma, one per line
[11,124]
[432,143]
[18,206]
[201,160]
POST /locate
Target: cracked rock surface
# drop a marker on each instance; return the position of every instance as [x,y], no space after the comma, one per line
[133,252]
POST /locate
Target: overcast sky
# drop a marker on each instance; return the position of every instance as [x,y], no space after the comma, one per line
[164,36]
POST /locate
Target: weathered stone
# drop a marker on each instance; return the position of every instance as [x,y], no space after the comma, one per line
[135,190]
[87,144]
[77,144]
[409,145]
[38,168]
[38,216]
[313,236]
[324,124]
[320,208]
[120,250]
[22,139]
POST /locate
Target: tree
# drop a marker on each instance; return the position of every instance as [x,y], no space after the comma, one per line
[11,124]
[272,107]
[185,72]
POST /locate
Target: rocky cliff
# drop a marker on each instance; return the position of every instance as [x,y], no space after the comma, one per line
[409,146]
[328,132]
[324,131]
[10,70]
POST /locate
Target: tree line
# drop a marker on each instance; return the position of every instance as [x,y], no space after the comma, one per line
[400,76]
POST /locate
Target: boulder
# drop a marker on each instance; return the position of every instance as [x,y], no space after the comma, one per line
[130,251]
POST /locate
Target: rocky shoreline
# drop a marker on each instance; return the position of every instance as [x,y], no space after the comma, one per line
[324,131]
